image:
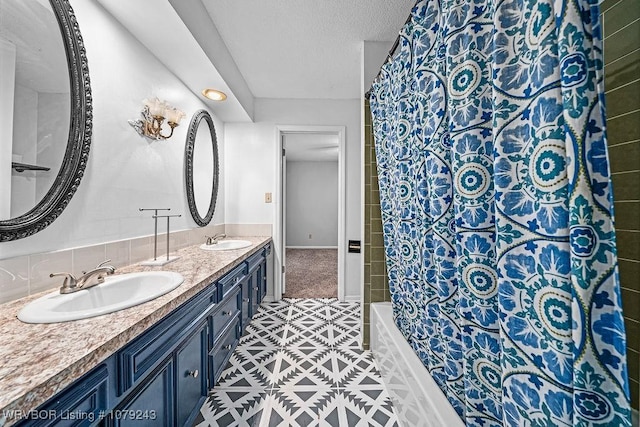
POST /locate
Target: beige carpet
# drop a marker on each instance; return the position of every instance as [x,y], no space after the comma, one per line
[311,273]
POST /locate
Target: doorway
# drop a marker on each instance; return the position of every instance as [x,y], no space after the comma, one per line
[299,146]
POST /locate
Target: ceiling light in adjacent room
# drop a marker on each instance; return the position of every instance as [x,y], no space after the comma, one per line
[214,95]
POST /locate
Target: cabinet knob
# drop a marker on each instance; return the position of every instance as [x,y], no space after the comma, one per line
[255,288]
[227,347]
[193,374]
[227,313]
[264,277]
[245,300]
[237,279]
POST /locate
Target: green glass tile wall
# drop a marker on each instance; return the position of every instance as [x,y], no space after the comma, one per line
[376,284]
[621,25]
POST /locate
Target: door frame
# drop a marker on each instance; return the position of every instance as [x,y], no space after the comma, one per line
[280,196]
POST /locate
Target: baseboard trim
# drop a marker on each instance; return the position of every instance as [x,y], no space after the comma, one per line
[312,247]
[352,298]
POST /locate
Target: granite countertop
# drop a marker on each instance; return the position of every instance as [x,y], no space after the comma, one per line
[39,360]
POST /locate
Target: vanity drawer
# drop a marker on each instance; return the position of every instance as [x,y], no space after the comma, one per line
[221,353]
[145,352]
[224,313]
[231,280]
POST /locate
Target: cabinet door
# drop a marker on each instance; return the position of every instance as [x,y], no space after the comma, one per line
[151,404]
[263,278]
[191,378]
[82,404]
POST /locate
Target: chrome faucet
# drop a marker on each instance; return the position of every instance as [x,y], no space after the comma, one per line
[214,240]
[87,280]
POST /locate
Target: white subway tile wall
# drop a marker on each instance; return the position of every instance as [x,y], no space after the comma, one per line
[29,274]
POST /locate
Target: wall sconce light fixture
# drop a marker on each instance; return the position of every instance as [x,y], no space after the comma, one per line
[154,114]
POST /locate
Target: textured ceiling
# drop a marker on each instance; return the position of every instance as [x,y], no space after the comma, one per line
[304,48]
[31,27]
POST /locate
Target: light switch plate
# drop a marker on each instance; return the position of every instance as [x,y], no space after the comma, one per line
[267,197]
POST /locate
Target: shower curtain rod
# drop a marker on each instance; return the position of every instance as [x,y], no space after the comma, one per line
[395,45]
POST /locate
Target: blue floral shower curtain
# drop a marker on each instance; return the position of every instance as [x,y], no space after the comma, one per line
[497,210]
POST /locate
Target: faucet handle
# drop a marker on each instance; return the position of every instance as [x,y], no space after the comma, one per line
[102,264]
[68,283]
[66,275]
[105,264]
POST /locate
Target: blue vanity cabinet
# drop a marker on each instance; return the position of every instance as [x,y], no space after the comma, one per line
[162,377]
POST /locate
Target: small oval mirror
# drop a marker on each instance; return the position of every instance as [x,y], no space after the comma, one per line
[201,167]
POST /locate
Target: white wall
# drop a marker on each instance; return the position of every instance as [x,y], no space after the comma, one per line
[312,204]
[251,156]
[373,56]
[50,136]
[24,147]
[125,171]
[7,84]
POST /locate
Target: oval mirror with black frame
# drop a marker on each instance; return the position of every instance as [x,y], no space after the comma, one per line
[46,117]
[201,167]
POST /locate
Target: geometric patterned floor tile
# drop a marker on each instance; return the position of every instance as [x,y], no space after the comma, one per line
[259,335]
[368,407]
[299,363]
[272,314]
[305,367]
[302,406]
[232,407]
[250,367]
[356,369]
[336,313]
[320,335]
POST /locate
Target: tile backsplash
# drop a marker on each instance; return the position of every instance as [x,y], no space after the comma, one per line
[376,283]
[29,274]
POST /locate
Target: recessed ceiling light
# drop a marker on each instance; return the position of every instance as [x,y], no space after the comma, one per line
[214,95]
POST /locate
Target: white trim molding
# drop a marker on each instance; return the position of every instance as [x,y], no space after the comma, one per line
[279,245]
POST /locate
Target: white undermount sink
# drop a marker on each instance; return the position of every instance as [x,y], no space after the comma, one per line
[226,245]
[118,292]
